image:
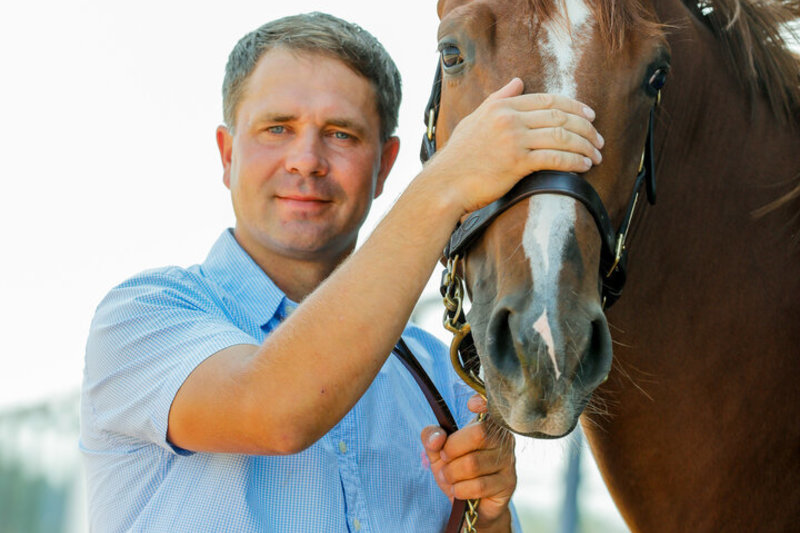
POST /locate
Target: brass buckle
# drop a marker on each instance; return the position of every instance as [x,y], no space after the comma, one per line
[431,125]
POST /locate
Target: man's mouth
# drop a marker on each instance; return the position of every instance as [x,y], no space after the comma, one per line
[301,201]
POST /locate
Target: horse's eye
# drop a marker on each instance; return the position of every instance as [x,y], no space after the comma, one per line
[657,80]
[451,56]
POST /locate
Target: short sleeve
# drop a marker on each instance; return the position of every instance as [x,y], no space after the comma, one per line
[147,336]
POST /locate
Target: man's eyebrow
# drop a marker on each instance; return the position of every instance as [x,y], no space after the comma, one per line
[276,117]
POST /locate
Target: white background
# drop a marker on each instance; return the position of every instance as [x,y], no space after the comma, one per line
[109,164]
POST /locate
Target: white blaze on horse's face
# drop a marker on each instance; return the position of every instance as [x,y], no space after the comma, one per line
[550,221]
[565,38]
[551,218]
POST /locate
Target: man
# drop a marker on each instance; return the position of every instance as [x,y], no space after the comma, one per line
[255,392]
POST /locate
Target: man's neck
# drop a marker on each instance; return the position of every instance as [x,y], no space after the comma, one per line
[297,277]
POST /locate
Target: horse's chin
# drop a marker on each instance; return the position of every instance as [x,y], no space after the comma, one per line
[517,416]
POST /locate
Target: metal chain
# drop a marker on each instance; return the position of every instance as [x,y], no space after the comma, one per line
[471,512]
[452,297]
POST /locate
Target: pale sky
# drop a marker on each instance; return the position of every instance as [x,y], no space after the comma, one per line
[109,111]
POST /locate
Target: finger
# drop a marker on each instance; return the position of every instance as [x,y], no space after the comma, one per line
[493,485]
[476,464]
[561,139]
[543,118]
[534,101]
[466,440]
[477,404]
[557,160]
[512,88]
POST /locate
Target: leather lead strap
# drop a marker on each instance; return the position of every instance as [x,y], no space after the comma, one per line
[443,416]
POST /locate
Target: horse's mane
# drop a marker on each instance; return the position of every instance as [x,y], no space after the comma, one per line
[752,32]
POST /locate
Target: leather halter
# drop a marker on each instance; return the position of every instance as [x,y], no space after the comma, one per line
[613,260]
[613,255]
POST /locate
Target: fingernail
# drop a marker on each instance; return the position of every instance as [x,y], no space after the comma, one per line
[589,112]
[601,140]
[598,156]
[587,163]
[435,435]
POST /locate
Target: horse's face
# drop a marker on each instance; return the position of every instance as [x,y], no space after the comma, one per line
[533,277]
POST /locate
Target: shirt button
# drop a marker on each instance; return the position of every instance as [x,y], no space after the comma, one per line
[342,446]
[357,524]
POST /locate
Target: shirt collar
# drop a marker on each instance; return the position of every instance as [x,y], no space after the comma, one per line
[244,281]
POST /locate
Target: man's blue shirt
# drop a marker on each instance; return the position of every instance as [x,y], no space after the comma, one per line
[369,473]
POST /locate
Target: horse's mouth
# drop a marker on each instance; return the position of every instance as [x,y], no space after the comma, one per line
[524,416]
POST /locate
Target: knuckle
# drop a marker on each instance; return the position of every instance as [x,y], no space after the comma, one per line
[556,159]
[560,135]
[504,120]
[447,475]
[546,99]
[467,490]
[558,117]
[471,465]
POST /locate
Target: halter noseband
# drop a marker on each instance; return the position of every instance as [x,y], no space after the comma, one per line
[613,254]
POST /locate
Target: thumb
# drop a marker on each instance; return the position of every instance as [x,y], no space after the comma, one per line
[512,88]
[433,439]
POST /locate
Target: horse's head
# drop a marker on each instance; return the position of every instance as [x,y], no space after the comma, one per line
[534,275]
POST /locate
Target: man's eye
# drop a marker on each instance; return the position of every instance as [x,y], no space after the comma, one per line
[276,129]
[341,135]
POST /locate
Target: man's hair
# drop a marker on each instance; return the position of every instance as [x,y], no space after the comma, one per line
[322,34]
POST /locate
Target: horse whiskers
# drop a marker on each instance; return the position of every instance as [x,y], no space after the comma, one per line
[616,328]
[597,406]
[623,372]
[594,424]
[615,342]
[498,434]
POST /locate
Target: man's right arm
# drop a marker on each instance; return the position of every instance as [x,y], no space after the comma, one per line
[282,396]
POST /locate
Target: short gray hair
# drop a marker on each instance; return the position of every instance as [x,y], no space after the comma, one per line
[317,33]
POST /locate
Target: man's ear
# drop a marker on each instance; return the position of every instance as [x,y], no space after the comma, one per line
[225,145]
[388,156]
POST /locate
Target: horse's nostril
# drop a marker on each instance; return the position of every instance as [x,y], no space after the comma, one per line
[501,344]
[597,358]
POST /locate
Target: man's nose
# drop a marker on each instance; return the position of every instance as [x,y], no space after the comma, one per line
[306,155]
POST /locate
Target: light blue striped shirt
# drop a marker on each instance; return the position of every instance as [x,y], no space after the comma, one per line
[369,473]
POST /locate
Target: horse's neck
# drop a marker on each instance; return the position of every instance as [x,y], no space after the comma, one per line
[705,362]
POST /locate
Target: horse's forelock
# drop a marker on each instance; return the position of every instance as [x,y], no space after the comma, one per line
[615,18]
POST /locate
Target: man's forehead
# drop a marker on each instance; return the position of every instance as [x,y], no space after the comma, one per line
[286,84]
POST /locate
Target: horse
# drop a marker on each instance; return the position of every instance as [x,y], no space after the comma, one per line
[692,420]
